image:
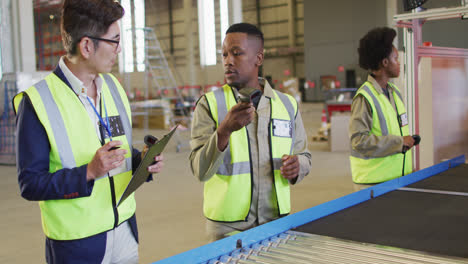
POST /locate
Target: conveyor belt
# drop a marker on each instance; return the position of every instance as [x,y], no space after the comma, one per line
[302,248]
[418,218]
[420,221]
[428,215]
[455,180]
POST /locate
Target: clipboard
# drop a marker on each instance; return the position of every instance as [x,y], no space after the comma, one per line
[141,174]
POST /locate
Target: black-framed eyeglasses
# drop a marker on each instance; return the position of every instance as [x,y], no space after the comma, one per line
[107,40]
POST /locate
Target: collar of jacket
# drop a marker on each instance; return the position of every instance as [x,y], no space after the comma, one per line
[267,90]
[377,86]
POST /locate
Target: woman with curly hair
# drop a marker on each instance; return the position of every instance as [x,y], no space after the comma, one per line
[378,127]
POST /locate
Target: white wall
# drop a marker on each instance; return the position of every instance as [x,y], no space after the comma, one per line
[443,109]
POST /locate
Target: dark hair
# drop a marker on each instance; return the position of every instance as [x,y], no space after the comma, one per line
[249,29]
[375,46]
[82,18]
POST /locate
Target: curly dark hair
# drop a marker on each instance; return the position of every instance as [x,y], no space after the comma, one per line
[82,18]
[247,28]
[375,46]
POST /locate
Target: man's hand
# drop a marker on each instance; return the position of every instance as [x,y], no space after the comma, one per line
[290,168]
[157,167]
[105,160]
[238,117]
[408,142]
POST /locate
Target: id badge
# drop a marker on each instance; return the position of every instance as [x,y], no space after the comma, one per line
[282,128]
[404,119]
[116,127]
[122,168]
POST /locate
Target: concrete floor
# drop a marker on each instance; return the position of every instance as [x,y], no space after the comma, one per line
[169,209]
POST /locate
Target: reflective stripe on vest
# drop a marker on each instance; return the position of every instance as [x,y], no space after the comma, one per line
[63,143]
[228,167]
[382,121]
[120,107]
[367,169]
[233,201]
[58,126]
[65,120]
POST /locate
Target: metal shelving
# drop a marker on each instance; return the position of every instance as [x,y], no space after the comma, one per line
[49,47]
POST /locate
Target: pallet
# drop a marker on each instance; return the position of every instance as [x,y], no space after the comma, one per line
[319,138]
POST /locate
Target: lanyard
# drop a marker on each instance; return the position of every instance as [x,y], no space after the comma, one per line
[107,126]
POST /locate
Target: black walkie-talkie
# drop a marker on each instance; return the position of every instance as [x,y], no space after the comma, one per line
[416,138]
[149,141]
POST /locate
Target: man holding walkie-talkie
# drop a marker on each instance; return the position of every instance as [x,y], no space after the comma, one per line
[378,129]
[248,142]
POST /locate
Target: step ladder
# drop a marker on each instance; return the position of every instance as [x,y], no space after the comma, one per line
[163,83]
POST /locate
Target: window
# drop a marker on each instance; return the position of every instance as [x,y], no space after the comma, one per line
[129,60]
[224,18]
[207,33]
[140,34]
[1,68]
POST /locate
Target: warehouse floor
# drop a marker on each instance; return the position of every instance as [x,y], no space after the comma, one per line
[169,209]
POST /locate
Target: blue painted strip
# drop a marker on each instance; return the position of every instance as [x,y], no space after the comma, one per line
[457,161]
[225,246]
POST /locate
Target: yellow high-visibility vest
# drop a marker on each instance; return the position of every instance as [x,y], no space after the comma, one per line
[73,143]
[227,195]
[384,122]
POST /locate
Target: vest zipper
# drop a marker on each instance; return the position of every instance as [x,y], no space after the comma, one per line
[114,203]
[250,162]
[271,160]
[111,179]
[251,175]
[401,133]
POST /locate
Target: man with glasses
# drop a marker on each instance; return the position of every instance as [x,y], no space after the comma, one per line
[74,148]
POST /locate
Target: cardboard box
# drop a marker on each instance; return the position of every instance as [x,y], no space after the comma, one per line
[158,114]
[157,119]
[291,87]
[339,138]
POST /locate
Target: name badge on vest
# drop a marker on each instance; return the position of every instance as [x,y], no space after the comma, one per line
[403,119]
[282,128]
[116,127]
[122,168]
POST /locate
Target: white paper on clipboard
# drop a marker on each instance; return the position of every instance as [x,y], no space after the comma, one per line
[141,174]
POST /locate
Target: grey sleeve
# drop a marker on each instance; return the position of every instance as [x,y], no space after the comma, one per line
[205,158]
[362,140]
